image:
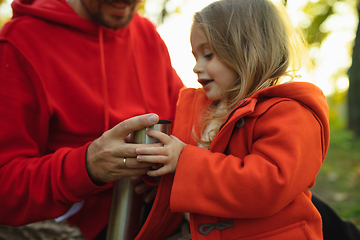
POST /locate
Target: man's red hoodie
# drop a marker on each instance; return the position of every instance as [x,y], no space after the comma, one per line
[63,81]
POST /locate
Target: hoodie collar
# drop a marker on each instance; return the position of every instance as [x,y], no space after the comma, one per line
[60,12]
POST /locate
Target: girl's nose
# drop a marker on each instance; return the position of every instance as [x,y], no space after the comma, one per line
[197,68]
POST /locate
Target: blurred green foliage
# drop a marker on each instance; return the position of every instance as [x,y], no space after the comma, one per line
[338,181]
[338,110]
[317,12]
[316,30]
[164,11]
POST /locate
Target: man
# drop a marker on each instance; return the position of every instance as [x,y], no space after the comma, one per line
[70,72]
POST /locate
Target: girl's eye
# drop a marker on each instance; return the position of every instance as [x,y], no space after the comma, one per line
[208,56]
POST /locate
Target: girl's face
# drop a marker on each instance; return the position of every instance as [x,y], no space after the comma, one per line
[213,74]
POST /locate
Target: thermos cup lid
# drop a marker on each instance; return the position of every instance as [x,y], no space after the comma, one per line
[164,122]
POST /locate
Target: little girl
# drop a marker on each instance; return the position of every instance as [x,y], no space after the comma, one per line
[247,148]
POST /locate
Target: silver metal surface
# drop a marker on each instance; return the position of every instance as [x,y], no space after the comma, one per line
[127,207]
[141,136]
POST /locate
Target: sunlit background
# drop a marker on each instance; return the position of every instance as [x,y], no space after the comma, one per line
[333,55]
[332,58]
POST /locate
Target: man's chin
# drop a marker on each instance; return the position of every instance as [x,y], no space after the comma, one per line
[116,22]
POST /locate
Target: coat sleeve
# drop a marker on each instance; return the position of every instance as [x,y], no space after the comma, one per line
[34,185]
[283,160]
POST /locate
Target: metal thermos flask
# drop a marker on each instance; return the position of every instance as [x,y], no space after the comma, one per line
[127,212]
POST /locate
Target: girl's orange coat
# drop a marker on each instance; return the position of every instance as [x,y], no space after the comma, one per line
[256,173]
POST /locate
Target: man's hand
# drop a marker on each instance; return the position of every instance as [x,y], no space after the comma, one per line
[142,188]
[105,155]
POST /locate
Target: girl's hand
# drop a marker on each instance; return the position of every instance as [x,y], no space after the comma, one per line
[168,155]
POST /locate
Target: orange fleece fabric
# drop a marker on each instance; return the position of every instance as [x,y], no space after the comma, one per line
[257,171]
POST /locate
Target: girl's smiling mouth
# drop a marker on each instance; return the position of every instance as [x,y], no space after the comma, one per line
[204,82]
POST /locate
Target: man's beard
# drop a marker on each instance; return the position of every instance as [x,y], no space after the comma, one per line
[99,17]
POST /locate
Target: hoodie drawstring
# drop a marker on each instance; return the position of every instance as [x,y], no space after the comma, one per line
[104,81]
[134,56]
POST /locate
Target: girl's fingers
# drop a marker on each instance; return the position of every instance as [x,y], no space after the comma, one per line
[152,158]
[164,138]
[157,166]
[151,151]
[159,172]
[133,163]
[175,138]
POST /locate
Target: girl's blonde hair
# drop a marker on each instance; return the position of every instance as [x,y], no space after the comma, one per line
[256,39]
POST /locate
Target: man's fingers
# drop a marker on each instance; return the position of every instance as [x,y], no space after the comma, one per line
[127,126]
[142,188]
[136,180]
[151,195]
[128,173]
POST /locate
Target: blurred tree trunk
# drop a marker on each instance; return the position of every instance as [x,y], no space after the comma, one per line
[354,86]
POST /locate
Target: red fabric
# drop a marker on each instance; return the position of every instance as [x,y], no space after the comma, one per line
[55,92]
[256,175]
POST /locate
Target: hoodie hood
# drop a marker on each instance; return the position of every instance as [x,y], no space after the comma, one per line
[58,11]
